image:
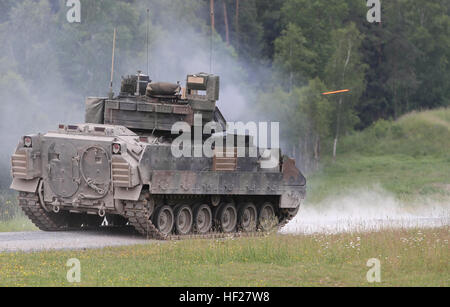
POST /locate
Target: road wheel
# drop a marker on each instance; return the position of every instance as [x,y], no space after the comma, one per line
[163,219]
[203,219]
[183,219]
[266,217]
[227,218]
[248,217]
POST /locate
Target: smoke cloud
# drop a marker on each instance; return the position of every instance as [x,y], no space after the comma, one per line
[44,78]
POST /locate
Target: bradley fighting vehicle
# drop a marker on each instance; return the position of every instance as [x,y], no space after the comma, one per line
[118,169]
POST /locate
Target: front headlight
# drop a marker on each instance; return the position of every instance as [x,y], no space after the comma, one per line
[116,148]
[27,141]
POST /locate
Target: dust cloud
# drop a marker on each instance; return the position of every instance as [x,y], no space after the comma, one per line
[367,210]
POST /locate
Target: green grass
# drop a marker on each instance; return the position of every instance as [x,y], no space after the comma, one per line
[409,158]
[417,134]
[408,178]
[19,223]
[412,257]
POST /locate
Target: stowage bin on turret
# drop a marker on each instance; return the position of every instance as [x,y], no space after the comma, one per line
[119,167]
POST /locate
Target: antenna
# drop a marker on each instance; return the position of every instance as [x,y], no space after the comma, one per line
[211,52]
[111,94]
[211,7]
[148,18]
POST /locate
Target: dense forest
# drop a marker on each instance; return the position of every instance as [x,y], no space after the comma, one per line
[275,58]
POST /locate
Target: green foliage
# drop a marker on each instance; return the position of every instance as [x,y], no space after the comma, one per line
[269,15]
[315,107]
[249,32]
[316,19]
[293,57]
[382,127]
[429,30]
[415,134]
[87,68]
[345,70]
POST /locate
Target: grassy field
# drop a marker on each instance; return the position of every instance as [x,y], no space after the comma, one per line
[414,257]
[409,158]
[409,179]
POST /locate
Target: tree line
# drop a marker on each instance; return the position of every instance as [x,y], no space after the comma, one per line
[391,68]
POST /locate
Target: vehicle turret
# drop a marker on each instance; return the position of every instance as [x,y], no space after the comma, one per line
[146,106]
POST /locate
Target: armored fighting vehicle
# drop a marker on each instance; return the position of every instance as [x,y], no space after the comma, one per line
[121,167]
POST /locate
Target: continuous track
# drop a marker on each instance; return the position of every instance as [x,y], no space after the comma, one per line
[47,221]
[138,215]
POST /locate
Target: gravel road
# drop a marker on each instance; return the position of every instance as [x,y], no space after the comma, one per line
[40,240]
